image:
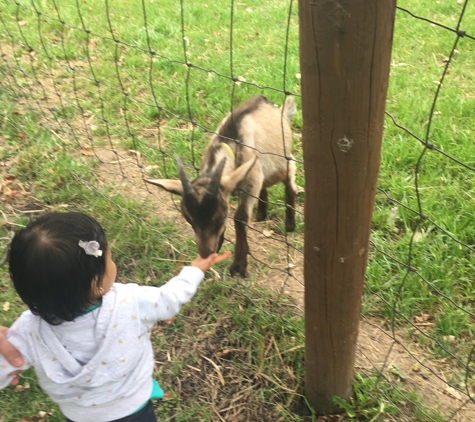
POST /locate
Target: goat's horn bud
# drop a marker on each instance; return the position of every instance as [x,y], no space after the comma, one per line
[214,184]
[187,188]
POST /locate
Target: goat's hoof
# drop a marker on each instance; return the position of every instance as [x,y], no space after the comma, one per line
[238,269]
[261,216]
[290,227]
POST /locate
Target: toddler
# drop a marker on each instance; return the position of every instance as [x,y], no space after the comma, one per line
[86,336]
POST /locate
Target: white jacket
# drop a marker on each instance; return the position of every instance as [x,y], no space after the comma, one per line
[108,375]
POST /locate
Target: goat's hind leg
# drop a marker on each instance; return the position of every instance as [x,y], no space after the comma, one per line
[290,195]
[262,205]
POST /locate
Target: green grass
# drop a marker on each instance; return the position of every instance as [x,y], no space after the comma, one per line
[445,187]
[62,89]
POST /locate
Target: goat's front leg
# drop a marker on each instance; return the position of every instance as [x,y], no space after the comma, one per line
[290,195]
[241,220]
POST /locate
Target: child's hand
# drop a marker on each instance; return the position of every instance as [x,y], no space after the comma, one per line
[204,264]
[11,354]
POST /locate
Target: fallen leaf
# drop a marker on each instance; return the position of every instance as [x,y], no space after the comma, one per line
[170,321]
[86,151]
[267,233]
[222,353]
[19,388]
[6,190]
[44,415]
[240,79]
[422,318]
[148,169]
[22,23]
[6,306]
[167,396]
[453,393]
[21,135]
[133,152]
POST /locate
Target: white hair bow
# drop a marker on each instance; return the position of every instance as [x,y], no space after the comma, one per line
[91,248]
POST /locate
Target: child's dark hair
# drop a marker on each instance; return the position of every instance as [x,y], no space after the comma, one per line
[50,271]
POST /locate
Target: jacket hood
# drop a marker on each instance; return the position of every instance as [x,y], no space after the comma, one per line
[114,356]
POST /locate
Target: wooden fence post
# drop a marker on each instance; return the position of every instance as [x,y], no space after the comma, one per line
[345,53]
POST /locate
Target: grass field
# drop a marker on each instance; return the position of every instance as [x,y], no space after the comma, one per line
[79,77]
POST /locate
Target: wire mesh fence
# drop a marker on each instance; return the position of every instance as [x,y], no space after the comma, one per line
[422,302]
[128,86]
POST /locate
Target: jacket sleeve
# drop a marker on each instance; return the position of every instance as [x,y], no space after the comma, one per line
[17,336]
[162,303]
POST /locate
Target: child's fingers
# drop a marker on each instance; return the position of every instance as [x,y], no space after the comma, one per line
[206,263]
[15,380]
[219,258]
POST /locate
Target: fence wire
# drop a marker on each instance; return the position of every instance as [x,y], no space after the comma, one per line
[128,98]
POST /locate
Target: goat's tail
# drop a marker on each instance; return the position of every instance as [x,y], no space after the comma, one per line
[289,108]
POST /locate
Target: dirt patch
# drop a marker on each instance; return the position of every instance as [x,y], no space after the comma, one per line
[406,363]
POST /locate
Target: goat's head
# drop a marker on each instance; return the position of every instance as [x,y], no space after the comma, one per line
[205,201]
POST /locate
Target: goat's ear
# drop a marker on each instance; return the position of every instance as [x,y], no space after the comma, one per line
[170,185]
[230,181]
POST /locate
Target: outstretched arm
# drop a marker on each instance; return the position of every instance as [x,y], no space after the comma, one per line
[162,303]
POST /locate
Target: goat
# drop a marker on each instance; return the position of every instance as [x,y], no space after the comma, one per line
[249,152]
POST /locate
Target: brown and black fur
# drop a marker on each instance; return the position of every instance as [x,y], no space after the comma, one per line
[259,135]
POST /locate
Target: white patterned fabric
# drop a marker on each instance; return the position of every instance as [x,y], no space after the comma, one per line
[99,366]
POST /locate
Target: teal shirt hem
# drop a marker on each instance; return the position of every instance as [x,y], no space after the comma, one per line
[157,393]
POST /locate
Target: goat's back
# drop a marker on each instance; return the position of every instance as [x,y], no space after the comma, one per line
[263,129]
